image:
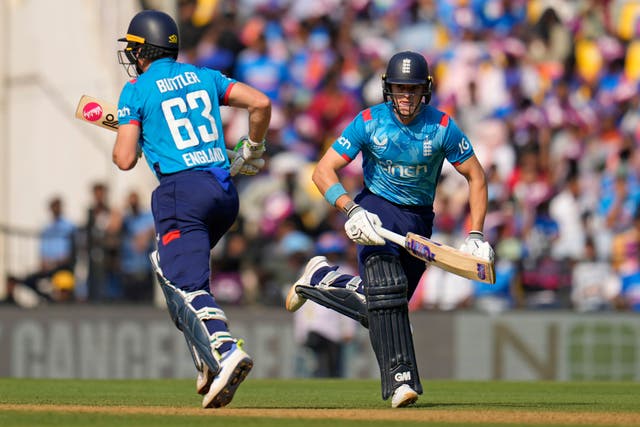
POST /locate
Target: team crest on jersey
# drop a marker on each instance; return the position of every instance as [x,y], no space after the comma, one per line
[426,147]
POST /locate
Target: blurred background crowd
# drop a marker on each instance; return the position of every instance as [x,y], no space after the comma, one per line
[547,92]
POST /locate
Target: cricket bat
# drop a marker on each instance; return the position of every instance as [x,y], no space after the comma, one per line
[443,256]
[97,112]
[105,114]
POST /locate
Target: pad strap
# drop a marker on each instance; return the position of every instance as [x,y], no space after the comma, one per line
[329,279]
[344,301]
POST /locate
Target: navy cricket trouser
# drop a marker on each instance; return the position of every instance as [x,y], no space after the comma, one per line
[400,219]
[192,210]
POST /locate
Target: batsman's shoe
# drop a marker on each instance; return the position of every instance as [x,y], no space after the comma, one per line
[295,301]
[235,366]
[204,380]
[403,396]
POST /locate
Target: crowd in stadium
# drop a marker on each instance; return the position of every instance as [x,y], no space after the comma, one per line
[547,93]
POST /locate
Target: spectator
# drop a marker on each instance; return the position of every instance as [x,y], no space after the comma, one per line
[330,109]
[595,286]
[257,66]
[57,258]
[566,209]
[500,296]
[544,279]
[137,240]
[626,261]
[102,248]
[326,333]
[442,291]
[231,280]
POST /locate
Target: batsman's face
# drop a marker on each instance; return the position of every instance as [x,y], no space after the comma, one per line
[407,98]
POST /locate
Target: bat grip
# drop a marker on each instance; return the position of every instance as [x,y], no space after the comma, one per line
[391,236]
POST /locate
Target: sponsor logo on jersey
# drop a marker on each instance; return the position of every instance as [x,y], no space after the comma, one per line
[123,112]
[344,142]
[404,171]
[464,145]
[380,143]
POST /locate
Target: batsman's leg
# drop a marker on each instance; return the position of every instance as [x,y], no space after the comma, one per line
[389,329]
[318,283]
[219,375]
[188,320]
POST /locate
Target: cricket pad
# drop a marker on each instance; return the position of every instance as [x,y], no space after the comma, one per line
[389,327]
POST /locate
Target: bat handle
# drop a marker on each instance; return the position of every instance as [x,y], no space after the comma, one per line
[391,236]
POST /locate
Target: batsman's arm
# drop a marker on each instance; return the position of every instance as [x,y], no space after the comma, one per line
[257,104]
[478,195]
[325,177]
[125,150]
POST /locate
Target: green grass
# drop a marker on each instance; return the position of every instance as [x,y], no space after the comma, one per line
[576,399]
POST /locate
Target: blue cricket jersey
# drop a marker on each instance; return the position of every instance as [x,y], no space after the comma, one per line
[402,163]
[178,108]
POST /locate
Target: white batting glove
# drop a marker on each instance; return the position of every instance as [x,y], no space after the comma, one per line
[247,150]
[250,149]
[361,226]
[244,167]
[475,245]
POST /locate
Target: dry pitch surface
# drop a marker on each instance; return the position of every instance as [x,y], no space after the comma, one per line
[406,414]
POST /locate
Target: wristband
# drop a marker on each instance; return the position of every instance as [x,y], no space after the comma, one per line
[334,192]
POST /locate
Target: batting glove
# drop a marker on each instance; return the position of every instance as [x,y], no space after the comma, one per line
[475,245]
[248,151]
[361,226]
[244,167]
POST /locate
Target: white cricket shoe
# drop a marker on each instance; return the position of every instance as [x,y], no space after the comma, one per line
[204,380]
[235,366]
[295,301]
[403,396]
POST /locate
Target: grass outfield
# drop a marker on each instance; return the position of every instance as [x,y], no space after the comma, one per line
[282,403]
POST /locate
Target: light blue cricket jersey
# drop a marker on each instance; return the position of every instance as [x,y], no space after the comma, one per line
[178,108]
[403,163]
